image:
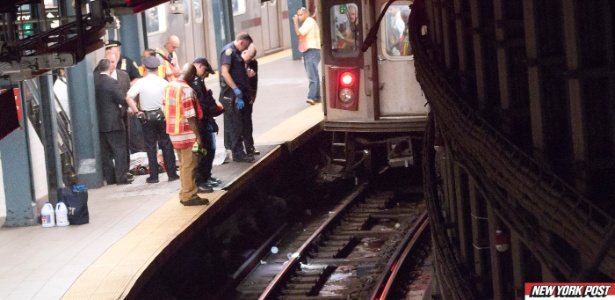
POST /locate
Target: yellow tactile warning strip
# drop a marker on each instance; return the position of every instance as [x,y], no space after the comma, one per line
[118,269]
[120,266]
[292,129]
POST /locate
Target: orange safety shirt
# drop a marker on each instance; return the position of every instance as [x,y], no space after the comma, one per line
[166,65]
[179,106]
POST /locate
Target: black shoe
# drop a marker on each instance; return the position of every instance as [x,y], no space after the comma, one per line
[129,176]
[173,178]
[214,179]
[151,180]
[253,152]
[212,183]
[204,188]
[129,181]
[195,201]
[244,158]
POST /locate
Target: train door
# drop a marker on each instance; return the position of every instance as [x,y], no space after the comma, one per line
[194,42]
[396,66]
[270,25]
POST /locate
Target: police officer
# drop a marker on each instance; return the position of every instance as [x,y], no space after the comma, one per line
[150,90]
[207,125]
[123,63]
[235,86]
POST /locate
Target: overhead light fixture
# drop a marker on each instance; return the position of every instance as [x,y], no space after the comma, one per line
[176,6]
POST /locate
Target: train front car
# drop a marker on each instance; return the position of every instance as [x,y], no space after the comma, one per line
[371,97]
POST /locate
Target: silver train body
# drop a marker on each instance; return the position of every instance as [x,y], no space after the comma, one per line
[200,25]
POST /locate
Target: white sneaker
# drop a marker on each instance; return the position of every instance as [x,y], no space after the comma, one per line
[228,157]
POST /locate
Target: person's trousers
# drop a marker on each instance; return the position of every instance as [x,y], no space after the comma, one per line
[187,168]
[113,150]
[136,137]
[311,60]
[246,127]
[206,162]
[154,132]
[232,128]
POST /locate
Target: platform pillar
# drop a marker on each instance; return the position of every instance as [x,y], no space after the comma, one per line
[223,23]
[16,170]
[293,7]
[88,165]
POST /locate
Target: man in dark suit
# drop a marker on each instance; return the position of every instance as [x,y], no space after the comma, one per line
[111,128]
[135,141]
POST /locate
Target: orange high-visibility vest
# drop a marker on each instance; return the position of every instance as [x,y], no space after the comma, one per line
[168,67]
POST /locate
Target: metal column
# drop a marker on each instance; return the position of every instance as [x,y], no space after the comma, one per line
[16,167]
[85,136]
[293,7]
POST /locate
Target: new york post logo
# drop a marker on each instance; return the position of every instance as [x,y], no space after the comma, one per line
[571,290]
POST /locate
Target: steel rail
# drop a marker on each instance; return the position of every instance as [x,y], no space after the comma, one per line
[388,278]
[296,258]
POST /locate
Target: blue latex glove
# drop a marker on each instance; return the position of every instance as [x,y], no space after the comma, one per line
[237,92]
[240,103]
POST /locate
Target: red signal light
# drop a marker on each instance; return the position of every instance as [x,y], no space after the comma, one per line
[346,78]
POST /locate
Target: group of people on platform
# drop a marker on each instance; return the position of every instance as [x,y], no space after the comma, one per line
[175,111]
[160,105]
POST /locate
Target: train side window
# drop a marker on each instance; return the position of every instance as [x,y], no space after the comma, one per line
[396,40]
[155,21]
[345,31]
[197,7]
[239,7]
[186,13]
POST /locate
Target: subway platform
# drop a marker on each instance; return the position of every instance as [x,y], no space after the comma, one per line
[132,225]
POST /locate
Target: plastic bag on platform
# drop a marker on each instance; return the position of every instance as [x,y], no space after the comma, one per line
[76,200]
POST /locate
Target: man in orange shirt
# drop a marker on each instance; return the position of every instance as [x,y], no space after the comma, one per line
[180,108]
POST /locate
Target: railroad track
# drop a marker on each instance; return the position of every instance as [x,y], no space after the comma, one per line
[351,252]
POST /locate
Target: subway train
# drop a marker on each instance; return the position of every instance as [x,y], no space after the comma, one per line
[372,101]
[203,29]
[365,52]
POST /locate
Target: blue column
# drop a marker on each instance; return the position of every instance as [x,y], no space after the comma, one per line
[223,23]
[293,7]
[16,167]
[130,36]
[86,142]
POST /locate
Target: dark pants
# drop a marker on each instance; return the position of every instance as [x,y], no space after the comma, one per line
[136,135]
[154,131]
[246,126]
[232,127]
[206,163]
[114,151]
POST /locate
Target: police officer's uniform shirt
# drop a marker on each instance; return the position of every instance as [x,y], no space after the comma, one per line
[231,56]
[129,66]
[150,89]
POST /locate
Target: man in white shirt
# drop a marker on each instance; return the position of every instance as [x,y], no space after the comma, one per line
[151,89]
[60,90]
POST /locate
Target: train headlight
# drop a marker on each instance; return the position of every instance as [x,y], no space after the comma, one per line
[346,95]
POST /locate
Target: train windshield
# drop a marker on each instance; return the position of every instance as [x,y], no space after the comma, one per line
[395,26]
[345,30]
